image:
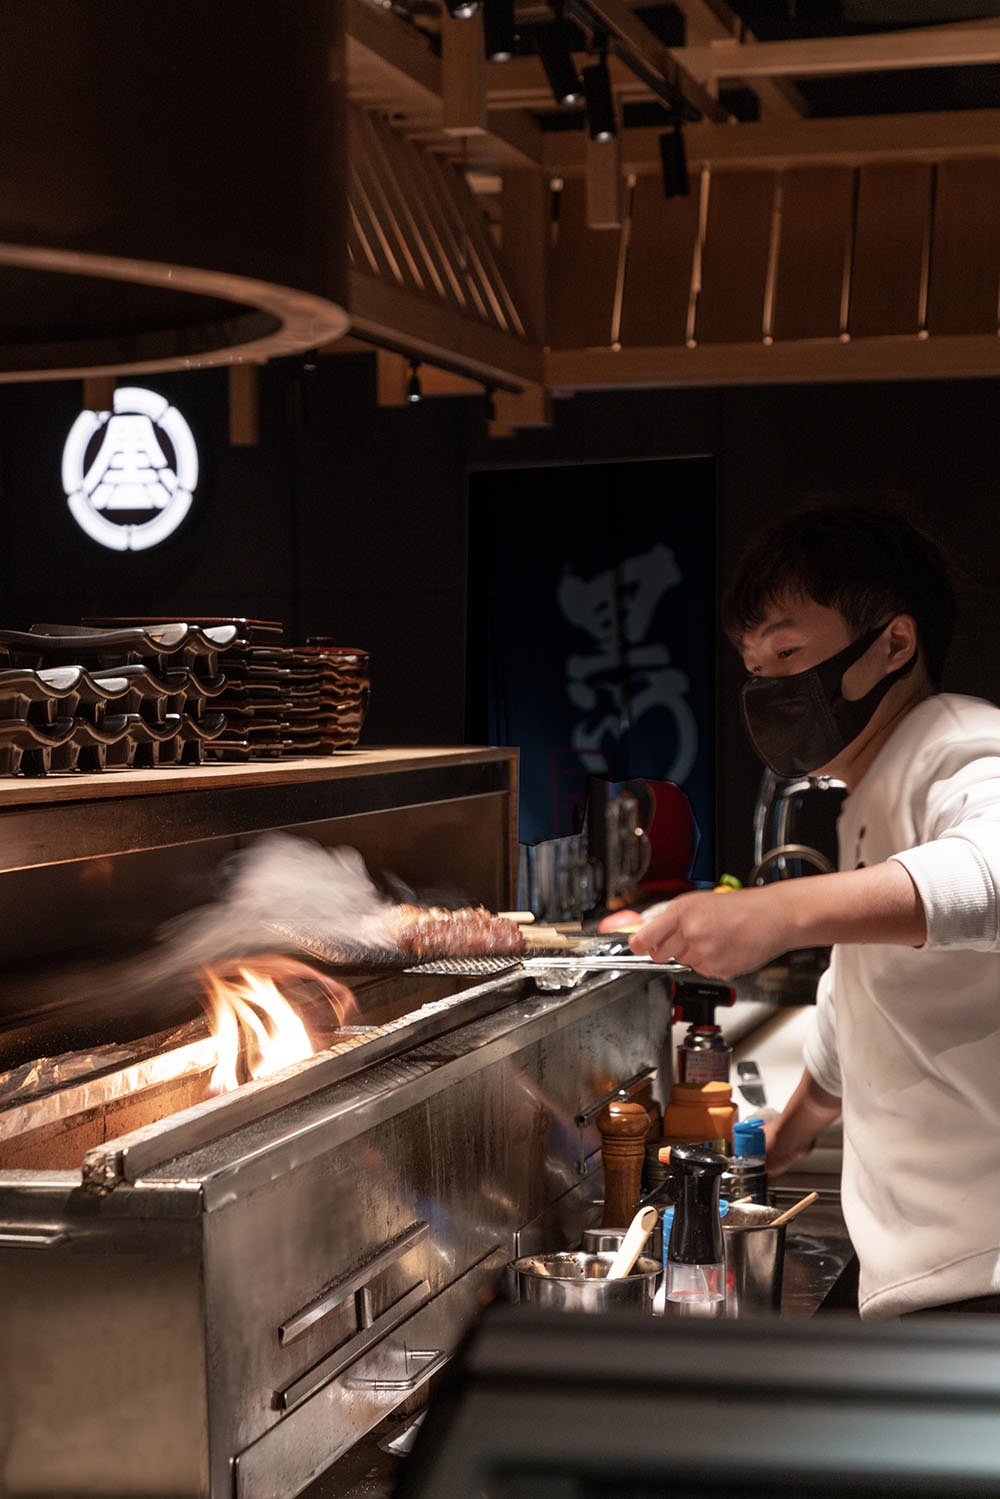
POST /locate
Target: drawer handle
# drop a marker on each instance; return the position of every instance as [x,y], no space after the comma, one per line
[32,1239]
[355,1281]
[435,1359]
[589,1114]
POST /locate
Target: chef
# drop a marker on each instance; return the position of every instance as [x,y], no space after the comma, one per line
[843,616]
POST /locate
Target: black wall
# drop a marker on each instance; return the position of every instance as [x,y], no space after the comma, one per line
[350,520]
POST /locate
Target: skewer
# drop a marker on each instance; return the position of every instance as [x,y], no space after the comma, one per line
[794,1211]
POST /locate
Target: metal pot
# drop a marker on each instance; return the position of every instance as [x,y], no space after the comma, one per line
[755,1253]
[577,1282]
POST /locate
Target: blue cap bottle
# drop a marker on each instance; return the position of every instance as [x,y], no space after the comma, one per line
[747,1174]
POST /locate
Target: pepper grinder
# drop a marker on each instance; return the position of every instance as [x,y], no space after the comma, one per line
[623,1126]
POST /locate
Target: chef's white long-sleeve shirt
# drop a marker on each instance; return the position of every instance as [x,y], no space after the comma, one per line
[909,1038]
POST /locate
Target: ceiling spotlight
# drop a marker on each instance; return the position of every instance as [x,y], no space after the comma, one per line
[673,158]
[414,390]
[552,42]
[600,100]
[461,10]
[498,30]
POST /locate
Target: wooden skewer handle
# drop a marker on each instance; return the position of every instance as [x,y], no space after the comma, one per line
[794,1211]
[623,1126]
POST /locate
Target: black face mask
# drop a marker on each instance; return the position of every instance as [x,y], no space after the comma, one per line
[801,722]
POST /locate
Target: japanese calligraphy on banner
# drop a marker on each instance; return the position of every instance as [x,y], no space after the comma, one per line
[600,630]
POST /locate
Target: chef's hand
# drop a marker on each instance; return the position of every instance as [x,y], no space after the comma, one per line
[725,934]
[793,1133]
[718,935]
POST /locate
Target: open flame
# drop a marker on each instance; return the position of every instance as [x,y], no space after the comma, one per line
[258,1031]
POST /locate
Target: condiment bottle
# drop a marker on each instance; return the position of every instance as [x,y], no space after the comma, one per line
[747,1173]
[700,1113]
[695,1277]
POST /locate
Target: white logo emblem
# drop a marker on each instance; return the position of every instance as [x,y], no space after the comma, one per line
[136,488]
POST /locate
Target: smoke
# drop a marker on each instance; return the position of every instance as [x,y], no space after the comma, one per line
[279,889]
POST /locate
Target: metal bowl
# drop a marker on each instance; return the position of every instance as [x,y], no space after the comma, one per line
[577,1282]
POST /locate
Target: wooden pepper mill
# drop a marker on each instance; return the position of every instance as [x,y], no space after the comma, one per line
[623,1127]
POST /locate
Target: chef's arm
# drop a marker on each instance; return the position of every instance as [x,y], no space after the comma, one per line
[723,935]
[792,1134]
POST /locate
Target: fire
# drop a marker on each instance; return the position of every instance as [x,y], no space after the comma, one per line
[258,1031]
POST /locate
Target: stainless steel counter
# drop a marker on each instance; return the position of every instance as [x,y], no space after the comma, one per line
[817,1253]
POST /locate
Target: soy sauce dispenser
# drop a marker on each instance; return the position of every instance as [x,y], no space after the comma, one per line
[695,1276]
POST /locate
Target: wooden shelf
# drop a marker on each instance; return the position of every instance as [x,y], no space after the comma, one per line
[37,791]
[59,819]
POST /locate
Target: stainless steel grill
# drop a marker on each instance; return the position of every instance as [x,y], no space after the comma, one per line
[215,1295]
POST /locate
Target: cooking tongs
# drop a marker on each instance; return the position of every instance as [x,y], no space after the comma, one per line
[581,955]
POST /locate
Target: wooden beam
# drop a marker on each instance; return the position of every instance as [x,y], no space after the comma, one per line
[392,375]
[521,83]
[99,392]
[926,137]
[914,358]
[926,47]
[530,407]
[244,405]
[605,184]
[526,219]
[714,21]
[389,64]
[395,371]
[389,315]
[463,74]
[648,52]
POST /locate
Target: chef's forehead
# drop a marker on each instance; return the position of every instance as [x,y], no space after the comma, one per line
[773,609]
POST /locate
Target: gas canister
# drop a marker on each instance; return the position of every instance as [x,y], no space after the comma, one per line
[704,1056]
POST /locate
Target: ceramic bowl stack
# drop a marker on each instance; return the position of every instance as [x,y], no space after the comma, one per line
[80,697]
[344,691]
[284,702]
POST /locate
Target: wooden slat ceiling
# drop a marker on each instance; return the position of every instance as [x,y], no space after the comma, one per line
[810,246]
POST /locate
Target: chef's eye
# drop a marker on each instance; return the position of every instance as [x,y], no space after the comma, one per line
[788,650]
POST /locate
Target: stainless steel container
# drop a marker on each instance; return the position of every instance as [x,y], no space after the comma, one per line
[602,1240]
[755,1253]
[578,1282]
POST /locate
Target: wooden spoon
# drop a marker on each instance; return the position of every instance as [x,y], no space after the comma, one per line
[633,1243]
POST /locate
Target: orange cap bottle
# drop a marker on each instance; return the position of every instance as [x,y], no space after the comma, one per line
[701,1114]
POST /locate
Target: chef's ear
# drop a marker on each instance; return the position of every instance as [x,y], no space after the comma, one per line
[900,641]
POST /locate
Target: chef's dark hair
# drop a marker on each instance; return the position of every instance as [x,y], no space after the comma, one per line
[867,562]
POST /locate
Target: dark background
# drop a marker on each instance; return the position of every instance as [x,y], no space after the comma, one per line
[352,520]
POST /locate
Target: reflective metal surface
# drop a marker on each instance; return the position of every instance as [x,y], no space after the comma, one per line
[264,1298]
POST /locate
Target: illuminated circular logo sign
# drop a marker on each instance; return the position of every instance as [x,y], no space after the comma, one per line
[129,474]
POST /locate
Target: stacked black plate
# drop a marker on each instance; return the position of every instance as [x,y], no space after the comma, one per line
[253,695]
[127,692]
[78,697]
[255,700]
